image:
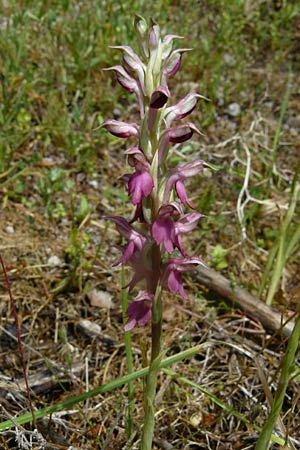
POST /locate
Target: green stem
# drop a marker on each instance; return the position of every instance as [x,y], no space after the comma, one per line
[128,348]
[156,355]
[156,351]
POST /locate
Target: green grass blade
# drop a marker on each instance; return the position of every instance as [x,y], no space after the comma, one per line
[25,418]
[288,362]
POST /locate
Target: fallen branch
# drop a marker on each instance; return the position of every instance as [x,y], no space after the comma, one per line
[271,319]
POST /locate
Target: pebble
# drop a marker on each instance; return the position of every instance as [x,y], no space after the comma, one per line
[54,261]
[10,229]
[233,109]
[94,184]
[100,299]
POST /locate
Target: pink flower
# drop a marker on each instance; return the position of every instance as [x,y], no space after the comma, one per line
[173,63]
[170,224]
[179,175]
[136,240]
[139,311]
[173,273]
[140,183]
[163,228]
[133,63]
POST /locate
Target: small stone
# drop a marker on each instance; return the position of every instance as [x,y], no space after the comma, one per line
[229,59]
[90,328]
[94,184]
[101,299]
[10,229]
[233,109]
[54,261]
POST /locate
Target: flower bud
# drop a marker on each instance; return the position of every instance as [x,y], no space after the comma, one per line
[141,27]
[154,36]
[167,44]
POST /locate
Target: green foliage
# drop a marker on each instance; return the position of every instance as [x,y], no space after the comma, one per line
[218,257]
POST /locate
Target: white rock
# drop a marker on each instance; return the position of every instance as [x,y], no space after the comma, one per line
[10,229]
[101,299]
[233,109]
[94,184]
[54,261]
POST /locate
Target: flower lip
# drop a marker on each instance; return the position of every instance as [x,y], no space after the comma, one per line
[182,133]
[159,97]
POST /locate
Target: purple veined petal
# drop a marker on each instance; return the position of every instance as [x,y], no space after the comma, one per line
[132,60]
[163,232]
[182,133]
[167,44]
[163,228]
[187,264]
[182,109]
[173,62]
[120,129]
[177,177]
[174,267]
[159,97]
[125,80]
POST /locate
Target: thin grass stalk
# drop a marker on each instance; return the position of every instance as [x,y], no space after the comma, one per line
[286,371]
[129,359]
[268,268]
[280,122]
[282,254]
[40,413]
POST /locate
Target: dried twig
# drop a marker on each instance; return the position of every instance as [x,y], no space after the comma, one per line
[271,319]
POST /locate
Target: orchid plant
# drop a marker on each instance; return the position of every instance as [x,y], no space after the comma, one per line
[154,235]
